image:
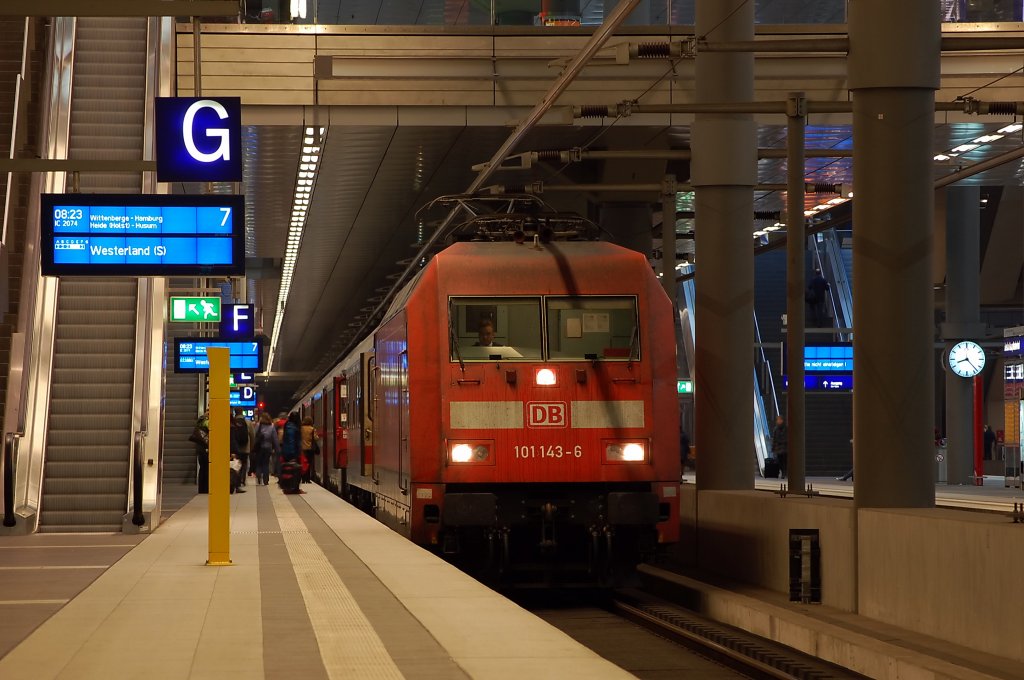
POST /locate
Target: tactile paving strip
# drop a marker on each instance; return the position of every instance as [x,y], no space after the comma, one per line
[349,646]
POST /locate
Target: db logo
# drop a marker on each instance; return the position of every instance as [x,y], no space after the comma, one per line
[547,414]
[198,139]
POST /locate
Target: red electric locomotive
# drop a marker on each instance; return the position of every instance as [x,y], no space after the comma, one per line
[516,410]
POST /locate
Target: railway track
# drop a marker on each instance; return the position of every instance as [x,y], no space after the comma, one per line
[746,654]
[653,638]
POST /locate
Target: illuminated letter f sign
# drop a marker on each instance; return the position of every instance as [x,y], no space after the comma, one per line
[224,151]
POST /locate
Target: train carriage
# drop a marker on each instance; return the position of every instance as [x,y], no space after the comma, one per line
[516,410]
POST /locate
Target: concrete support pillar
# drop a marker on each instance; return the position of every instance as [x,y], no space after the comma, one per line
[723,173]
[796,247]
[893,75]
[668,238]
[963,322]
[628,225]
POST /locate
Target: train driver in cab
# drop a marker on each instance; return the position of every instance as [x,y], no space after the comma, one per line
[485,334]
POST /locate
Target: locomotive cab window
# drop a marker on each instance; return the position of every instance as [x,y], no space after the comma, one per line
[593,327]
[488,329]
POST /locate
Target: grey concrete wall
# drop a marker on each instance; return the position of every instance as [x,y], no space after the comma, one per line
[744,535]
[949,574]
[953,575]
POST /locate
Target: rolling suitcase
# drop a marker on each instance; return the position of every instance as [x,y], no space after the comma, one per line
[291,475]
[771,468]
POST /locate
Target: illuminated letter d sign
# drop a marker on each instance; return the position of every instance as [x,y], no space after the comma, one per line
[198,139]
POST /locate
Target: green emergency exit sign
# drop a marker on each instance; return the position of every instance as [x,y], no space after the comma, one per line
[684,386]
[195,309]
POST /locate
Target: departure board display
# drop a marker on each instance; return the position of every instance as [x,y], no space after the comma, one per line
[828,366]
[190,354]
[142,235]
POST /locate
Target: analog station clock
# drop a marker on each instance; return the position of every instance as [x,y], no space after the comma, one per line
[966,359]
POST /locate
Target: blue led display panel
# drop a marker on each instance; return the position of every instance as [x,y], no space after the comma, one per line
[831,358]
[142,235]
[190,354]
[828,366]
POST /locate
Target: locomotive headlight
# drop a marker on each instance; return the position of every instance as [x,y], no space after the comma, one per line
[625,452]
[462,452]
[545,376]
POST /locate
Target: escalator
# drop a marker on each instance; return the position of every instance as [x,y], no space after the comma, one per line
[181,408]
[20,59]
[89,431]
[762,424]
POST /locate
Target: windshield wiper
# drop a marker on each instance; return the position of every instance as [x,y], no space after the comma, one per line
[454,339]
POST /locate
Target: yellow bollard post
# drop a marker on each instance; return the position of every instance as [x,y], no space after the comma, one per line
[220,431]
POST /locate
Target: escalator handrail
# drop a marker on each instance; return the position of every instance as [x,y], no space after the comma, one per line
[11,441]
[138,519]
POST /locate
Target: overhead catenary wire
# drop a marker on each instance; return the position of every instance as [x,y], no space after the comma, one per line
[597,40]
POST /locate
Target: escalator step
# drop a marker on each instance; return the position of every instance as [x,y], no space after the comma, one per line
[88,438]
[85,422]
[107,345]
[93,391]
[112,500]
[85,486]
[91,468]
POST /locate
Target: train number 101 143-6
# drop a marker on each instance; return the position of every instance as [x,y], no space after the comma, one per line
[541,451]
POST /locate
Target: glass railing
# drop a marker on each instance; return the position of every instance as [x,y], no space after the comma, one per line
[575,13]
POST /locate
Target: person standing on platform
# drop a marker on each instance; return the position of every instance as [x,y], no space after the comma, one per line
[990,443]
[291,438]
[265,446]
[275,465]
[252,444]
[201,438]
[309,449]
[684,450]
[779,444]
[849,475]
[240,445]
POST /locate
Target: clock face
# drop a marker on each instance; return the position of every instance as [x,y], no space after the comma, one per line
[966,359]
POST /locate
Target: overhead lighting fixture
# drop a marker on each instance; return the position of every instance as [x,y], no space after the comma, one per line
[305,181]
[977,142]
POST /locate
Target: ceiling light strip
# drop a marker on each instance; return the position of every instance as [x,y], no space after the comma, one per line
[978,141]
[305,180]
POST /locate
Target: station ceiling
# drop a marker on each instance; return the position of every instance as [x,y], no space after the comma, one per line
[367,217]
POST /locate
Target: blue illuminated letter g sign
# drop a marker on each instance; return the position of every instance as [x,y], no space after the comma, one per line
[198,139]
[223,152]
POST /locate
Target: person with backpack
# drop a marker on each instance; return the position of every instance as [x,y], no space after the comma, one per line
[240,447]
[291,451]
[310,449]
[264,447]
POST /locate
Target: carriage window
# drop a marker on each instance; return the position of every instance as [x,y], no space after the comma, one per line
[488,329]
[593,327]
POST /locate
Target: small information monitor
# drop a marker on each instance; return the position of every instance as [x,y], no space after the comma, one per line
[828,367]
[142,235]
[190,354]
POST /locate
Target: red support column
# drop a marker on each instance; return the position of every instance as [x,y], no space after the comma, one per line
[979,444]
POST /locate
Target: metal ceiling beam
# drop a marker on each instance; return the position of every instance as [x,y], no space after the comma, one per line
[597,40]
[972,170]
[72,165]
[119,8]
